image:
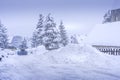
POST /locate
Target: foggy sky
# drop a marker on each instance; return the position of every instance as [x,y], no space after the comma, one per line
[79,16]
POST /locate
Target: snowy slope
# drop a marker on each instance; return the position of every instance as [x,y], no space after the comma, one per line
[105,34]
[73,62]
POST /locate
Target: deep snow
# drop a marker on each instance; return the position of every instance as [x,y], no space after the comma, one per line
[73,62]
[105,34]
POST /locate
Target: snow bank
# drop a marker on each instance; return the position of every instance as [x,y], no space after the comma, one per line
[39,50]
[74,54]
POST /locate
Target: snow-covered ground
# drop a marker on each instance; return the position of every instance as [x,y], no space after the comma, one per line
[73,62]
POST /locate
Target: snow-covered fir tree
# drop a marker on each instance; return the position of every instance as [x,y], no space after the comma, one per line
[63,35]
[47,34]
[3,36]
[74,39]
[38,33]
[107,17]
[50,39]
[24,44]
[40,29]
[34,40]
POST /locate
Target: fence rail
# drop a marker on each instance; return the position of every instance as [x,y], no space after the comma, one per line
[111,50]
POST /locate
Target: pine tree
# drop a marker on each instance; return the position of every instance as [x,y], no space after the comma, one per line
[34,40]
[24,44]
[22,48]
[38,33]
[74,39]
[64,39]
[51,34]
[107,17]
[40,29]
[3,37]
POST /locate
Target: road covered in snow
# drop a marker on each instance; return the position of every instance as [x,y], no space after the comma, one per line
[73,62]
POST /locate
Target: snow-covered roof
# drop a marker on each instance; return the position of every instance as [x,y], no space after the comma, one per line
[105,34]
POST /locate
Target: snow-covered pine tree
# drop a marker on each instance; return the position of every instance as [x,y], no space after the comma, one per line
[38,33]
[51,40]
[24,44]
[107,17]
[3,37]
[22,48]
[34,40]
[74,39]
[63,35]
[40,29]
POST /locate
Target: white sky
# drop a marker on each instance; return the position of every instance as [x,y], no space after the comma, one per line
[79,16]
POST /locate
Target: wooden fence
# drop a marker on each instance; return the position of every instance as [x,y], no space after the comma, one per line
[111,50]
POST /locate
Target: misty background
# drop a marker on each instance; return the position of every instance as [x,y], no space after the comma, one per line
[79,16]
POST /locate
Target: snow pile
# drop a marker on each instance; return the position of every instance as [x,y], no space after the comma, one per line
[77,54]
[7,52]
[39,50]
[71,54]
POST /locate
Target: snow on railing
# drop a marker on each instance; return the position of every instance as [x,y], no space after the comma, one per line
[111,50]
